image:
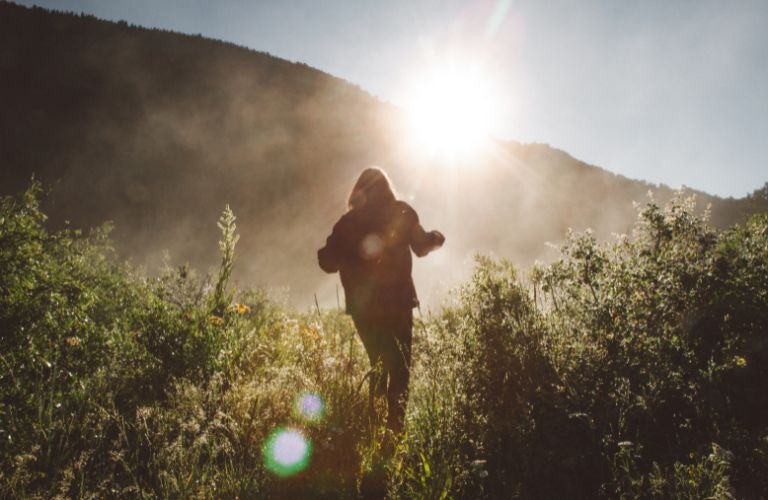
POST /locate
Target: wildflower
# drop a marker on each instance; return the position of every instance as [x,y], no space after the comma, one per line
[73,341]
[740,361]
[240,308]
[311,333]
[216,320]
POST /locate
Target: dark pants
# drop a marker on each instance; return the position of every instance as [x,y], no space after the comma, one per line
[386,335]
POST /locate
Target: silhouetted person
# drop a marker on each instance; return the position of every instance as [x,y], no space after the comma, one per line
[370,247]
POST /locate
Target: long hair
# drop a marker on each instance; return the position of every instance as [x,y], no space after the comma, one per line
[371,189]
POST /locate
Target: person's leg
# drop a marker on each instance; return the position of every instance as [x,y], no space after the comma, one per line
[370,333]
[398,357]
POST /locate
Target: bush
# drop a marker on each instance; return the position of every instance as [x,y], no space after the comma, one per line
[607,372]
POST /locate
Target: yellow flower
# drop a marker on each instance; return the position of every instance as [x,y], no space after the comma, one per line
[310,333]
[73,341]
[239,308]
[216,320]
[740,362]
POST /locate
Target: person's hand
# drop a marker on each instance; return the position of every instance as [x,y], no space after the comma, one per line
[438,238]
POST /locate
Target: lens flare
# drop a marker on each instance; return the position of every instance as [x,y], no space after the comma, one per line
[310,407]
[287,452]
[371,246]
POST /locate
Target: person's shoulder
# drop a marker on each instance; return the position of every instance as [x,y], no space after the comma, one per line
[403,209]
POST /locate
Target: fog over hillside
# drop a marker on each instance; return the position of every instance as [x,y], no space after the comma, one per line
[157,131]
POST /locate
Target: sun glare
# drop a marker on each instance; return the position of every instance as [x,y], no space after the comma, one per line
[450,112]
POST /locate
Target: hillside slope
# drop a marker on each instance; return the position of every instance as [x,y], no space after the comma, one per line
[157,131]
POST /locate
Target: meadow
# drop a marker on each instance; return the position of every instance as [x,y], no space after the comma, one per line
[625,369]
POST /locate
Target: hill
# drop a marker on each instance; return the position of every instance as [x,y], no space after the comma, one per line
[157,131]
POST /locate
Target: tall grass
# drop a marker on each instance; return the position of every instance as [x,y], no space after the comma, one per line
[630,369]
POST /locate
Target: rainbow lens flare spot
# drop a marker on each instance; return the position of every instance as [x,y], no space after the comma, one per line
[372,246]
[286,452]
[310,407]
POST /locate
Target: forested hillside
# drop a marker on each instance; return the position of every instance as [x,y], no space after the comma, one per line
[157,130]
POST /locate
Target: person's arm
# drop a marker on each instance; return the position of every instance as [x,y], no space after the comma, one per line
[423,242]
[329,257]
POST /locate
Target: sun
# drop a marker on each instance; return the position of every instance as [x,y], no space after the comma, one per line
[450,111]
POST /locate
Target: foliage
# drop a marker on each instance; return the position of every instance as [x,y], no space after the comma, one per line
[630,369]
[115,384]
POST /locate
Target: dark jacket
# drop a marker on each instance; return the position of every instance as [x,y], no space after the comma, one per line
[371,249]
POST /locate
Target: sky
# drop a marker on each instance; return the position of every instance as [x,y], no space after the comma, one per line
[669,91]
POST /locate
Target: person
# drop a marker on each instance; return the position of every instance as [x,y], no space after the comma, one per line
[370,246]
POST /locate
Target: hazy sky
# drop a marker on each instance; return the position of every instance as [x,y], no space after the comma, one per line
[669,91]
